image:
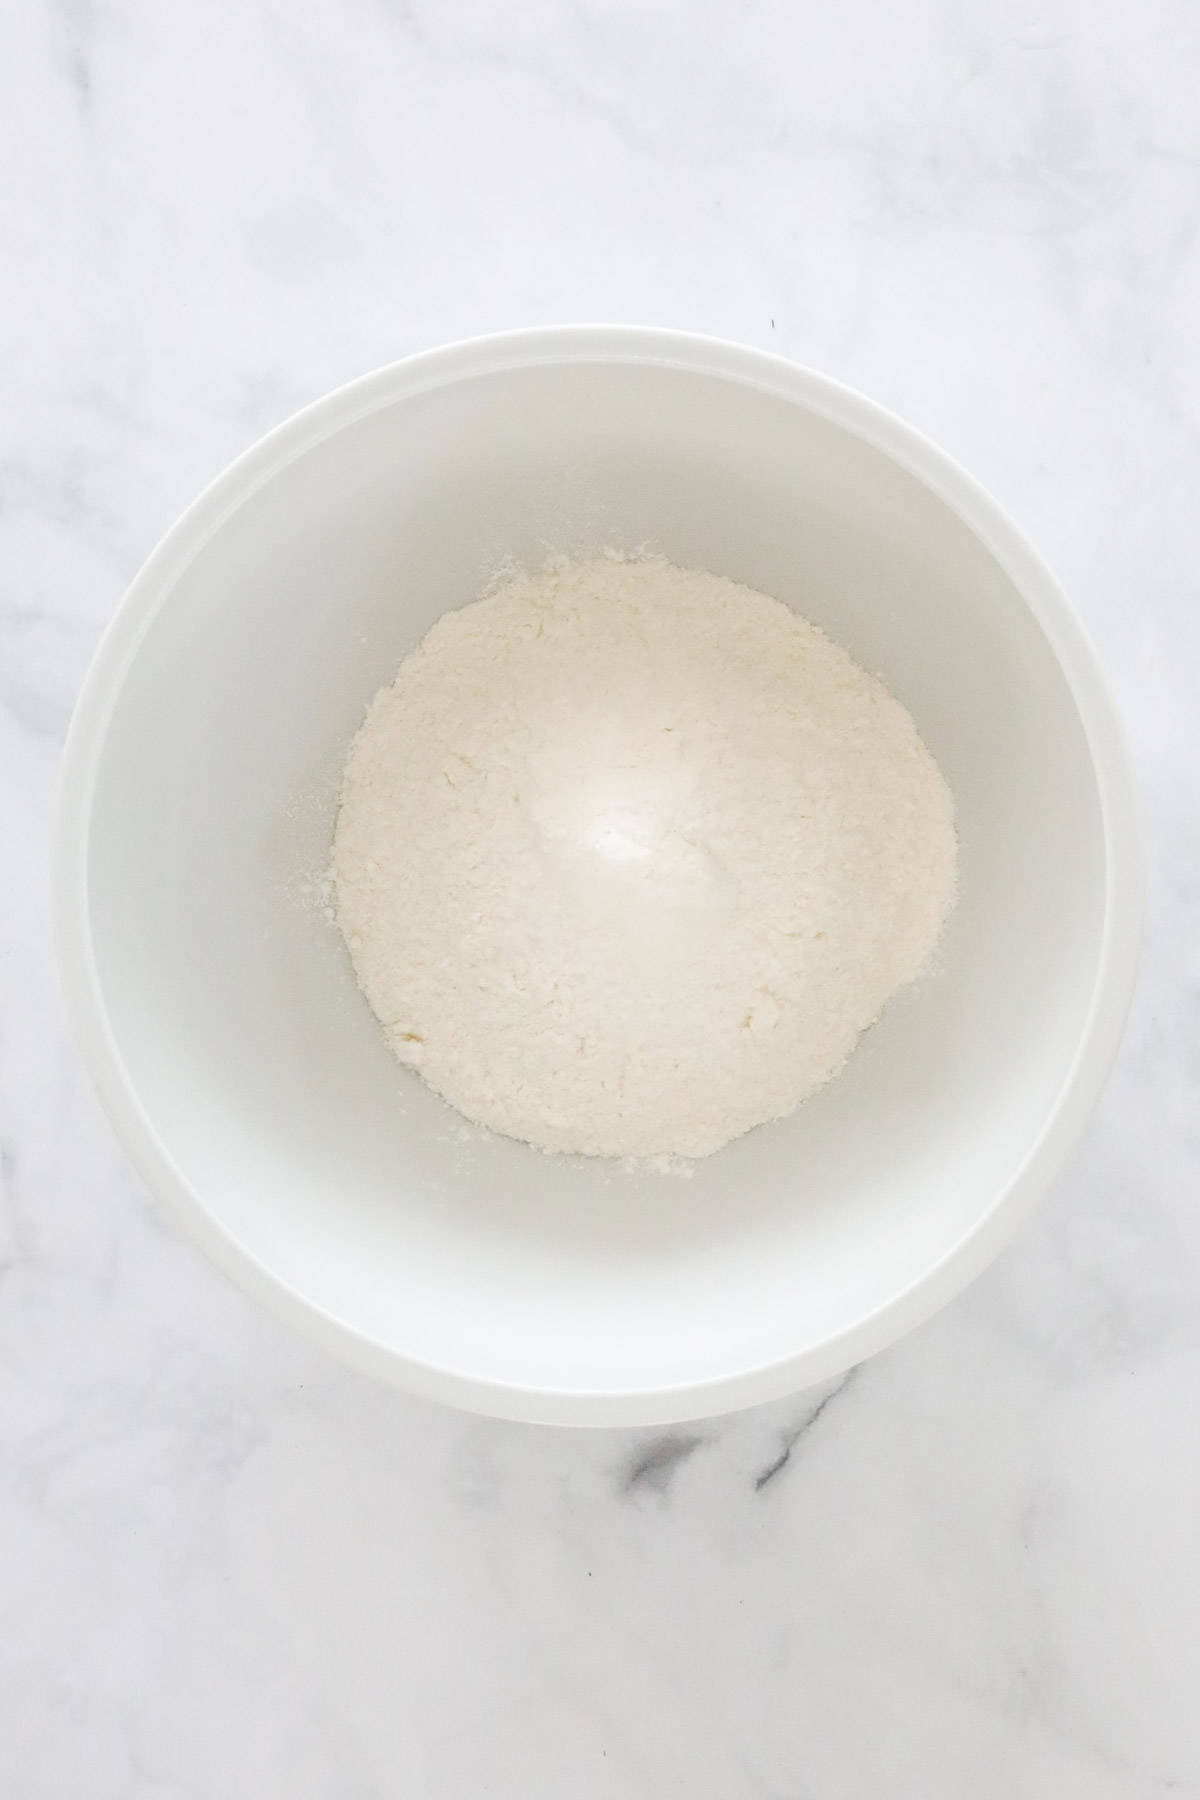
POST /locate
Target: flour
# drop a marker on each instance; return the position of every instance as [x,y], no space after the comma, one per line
[629,856]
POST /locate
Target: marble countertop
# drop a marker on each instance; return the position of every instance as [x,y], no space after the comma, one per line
[229,1567]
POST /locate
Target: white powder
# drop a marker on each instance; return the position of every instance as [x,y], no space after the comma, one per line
[628,857]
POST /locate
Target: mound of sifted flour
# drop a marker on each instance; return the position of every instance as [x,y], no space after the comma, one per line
[628,856]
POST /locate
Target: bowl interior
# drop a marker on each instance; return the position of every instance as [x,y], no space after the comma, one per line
[557,1283]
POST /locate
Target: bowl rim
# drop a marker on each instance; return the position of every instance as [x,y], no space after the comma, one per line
[1040,592]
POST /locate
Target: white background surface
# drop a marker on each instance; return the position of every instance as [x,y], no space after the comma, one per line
[230,1568]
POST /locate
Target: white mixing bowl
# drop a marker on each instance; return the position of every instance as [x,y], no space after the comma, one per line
[216,1007]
